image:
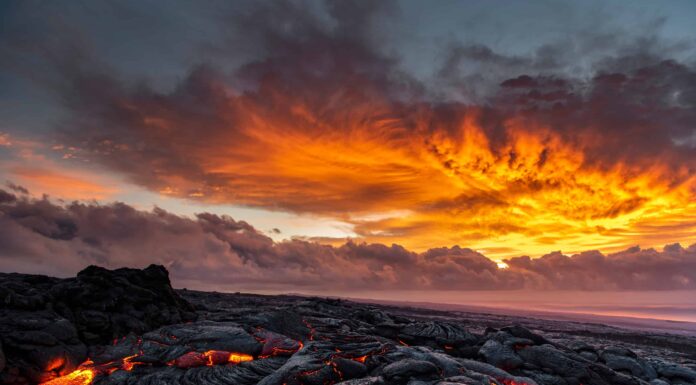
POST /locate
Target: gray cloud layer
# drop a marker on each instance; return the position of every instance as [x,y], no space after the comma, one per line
[40,236]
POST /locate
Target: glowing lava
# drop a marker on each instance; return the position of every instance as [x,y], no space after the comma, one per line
[78,377]
[86,372]
[239,358]
[128,363]
[360,359]
[209,358]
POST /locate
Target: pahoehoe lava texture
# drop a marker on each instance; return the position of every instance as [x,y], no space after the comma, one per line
[128,327]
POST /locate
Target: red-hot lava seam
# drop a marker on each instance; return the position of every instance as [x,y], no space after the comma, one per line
[268,341]
[311,330]
[209,358]
[334,367]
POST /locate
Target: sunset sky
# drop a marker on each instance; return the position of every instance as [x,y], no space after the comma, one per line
[287,144]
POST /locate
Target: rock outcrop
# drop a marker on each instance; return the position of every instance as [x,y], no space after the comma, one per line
[47,324]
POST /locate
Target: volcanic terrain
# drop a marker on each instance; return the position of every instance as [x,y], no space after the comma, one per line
[130,327]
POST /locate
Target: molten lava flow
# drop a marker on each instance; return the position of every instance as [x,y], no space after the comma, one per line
[209,358]
[360,359]
[78,377]
[55,364]
[86,372]
[238,358]
[273,345]
[128,363]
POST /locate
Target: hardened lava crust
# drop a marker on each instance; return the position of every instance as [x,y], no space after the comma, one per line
[129,327]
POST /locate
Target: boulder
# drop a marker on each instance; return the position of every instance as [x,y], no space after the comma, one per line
[401,372]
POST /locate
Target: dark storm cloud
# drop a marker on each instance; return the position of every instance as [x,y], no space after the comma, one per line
[638,115]
[217,251]
[636,103]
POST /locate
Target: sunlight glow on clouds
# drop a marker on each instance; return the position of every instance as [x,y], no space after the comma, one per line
[421,176]
[303,114]
[212,251]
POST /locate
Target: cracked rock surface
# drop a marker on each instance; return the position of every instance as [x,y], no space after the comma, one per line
[128,327]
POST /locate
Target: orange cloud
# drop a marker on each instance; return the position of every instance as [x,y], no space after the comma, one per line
[65,185]
[531,189]
[326,123]
[28,165]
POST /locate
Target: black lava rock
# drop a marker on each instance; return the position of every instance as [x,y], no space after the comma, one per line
[50,327]
[47,324]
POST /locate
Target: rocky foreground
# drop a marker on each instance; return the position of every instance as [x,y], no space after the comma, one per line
[129,327]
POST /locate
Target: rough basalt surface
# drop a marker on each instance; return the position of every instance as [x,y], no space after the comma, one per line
[245,339]
[47,324]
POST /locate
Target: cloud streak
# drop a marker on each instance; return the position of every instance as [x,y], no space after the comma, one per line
[211,251]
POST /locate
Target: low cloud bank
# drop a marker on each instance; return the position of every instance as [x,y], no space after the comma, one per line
[42,236]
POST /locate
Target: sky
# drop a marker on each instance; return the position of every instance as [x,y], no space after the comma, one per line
[392,145]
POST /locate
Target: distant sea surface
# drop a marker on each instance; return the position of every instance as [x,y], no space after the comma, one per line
[662,305]
[667,310]
[671,305]
[670,311]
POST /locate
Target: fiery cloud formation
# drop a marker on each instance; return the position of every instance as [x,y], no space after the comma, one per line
[213,251]
[523,175]
[320,118]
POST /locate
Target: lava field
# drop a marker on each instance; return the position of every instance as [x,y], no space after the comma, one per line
[128,327]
